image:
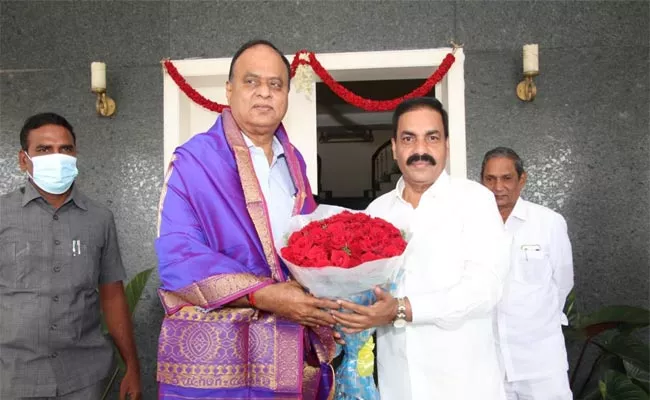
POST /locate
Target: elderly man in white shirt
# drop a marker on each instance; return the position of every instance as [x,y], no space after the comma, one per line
[435,339]
[530,314]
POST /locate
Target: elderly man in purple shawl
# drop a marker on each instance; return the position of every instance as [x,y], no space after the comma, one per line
[235,326]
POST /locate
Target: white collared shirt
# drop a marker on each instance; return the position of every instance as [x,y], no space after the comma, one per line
[276,184]
[455,267]
[541,276]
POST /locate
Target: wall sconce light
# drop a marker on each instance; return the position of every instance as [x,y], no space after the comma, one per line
[105,105]
[526,89]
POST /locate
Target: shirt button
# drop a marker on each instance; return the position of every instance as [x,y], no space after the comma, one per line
[56,217]
[55,299]
[53,327]
[57,242]
[57,268]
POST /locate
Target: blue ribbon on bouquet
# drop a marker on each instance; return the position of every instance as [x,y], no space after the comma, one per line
[354,377]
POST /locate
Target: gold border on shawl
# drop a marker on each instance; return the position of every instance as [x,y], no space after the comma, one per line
[252,193]
[325,346]
[209,290]
[310,378]
[333,388]
[289,357]
[192,344]
[197,342]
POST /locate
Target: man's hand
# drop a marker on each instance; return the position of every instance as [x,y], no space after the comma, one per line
[289,300]
[118,320]
[383,312]
[131,385]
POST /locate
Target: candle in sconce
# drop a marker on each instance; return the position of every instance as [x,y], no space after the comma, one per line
[531,58]
[98,76]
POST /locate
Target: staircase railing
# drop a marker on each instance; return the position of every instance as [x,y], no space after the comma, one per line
[382,166]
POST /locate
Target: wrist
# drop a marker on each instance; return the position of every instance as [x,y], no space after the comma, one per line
[395,310]
[400,316]
[409,310]
[251,299]
[132,365]
[259,297]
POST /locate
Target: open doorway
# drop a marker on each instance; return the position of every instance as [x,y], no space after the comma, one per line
[355,161]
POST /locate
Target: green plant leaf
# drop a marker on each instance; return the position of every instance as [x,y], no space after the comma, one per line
[571,334]
[632,351]
[611,317]
[570,309]
[636,373]
[603,363]
[594,395]
[135,288]
[644,385]
[133,292]
[617,386]
[610,361]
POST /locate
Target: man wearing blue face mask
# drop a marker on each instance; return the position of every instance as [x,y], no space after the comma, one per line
[60,265]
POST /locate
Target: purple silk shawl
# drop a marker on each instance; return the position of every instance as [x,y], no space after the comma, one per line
[215,245]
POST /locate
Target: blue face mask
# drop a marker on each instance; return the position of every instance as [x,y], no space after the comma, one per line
[54,173]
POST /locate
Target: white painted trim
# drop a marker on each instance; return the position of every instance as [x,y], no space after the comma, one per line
[453,98]
[351,66]
[171,119]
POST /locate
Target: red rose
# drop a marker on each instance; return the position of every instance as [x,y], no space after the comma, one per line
[340,258]
[288,254]
[338,242]
[391,251]
[302,244]
[355,248]
[366,257]
[336,228]
[354,261]
[317,257]
[365,244]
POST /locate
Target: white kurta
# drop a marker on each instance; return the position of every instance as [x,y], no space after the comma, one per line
[456,264]
[541,276]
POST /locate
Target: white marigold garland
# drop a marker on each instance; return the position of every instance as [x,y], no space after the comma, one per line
[304,78]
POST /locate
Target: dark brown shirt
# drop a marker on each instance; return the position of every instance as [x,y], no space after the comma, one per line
[51,264]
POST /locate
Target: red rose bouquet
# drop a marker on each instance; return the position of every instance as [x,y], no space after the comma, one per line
[334,252]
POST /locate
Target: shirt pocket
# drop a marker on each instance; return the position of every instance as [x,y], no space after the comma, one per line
[85,265]
[533,269]
[7,264]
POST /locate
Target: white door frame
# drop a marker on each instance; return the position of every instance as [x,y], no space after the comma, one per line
[300,120]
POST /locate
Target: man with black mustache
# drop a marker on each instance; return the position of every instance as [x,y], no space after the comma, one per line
[436,334]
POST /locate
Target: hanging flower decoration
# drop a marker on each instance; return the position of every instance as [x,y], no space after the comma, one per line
[303,77]
[304,62]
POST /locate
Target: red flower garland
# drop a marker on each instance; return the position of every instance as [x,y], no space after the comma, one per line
[337,88]
[190,91]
